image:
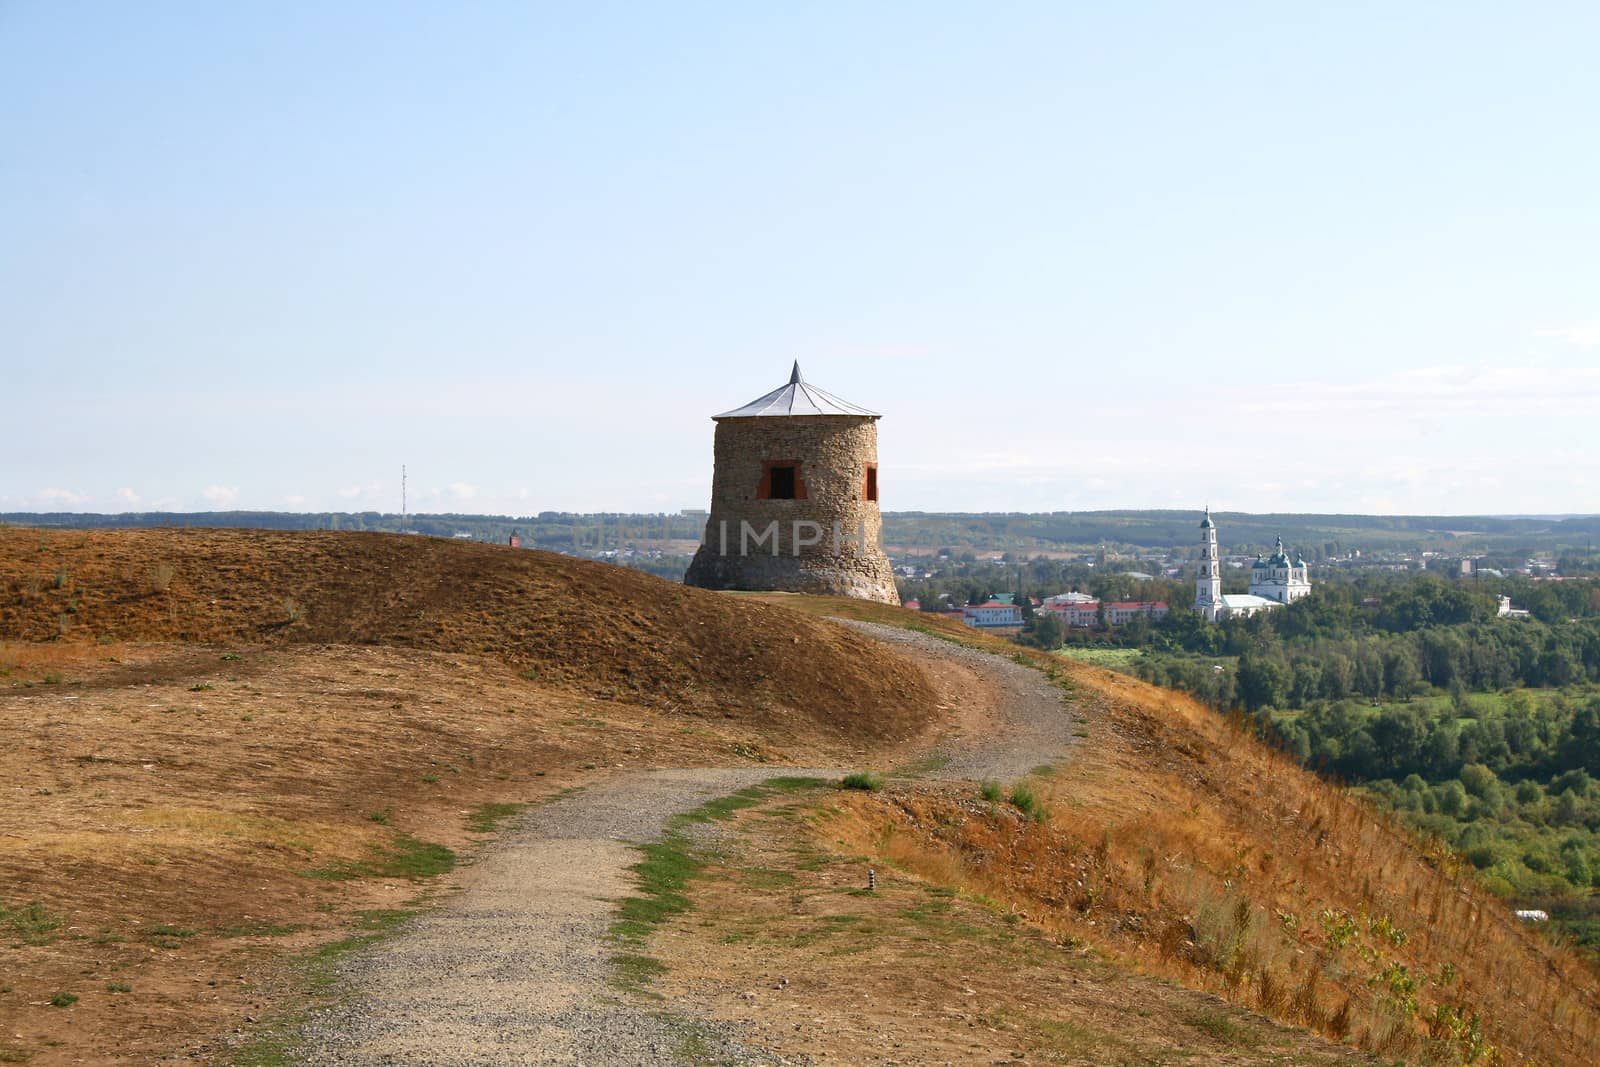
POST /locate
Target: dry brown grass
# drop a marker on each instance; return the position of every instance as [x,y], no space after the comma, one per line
[784,941]
[606,631]
[178,811]
[1190,850]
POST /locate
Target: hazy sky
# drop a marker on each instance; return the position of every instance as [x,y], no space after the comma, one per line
[1272,257]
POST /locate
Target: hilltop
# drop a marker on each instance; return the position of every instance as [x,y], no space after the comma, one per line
[607,631]
[226,749]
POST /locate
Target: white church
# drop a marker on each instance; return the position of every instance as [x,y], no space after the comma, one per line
[1273,581]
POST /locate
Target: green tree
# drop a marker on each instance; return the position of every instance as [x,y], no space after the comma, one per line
[1045,630]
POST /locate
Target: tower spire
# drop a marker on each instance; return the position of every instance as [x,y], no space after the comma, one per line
[794,378]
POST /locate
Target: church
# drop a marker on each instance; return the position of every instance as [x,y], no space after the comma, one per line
[1274,581]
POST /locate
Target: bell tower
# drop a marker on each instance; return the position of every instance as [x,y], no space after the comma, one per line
[1208,579]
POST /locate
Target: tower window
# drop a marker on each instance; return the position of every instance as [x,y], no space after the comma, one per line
[781,480]
[872,482]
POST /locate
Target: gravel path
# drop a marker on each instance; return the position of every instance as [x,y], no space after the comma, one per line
[514,969]
[1036,727]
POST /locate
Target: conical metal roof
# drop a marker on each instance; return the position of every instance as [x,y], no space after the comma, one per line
[799,397]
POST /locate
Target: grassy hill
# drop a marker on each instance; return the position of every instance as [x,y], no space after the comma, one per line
[1177,844]
[565,621]
[229,749]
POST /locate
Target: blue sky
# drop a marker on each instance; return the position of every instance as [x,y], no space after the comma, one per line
[260,256]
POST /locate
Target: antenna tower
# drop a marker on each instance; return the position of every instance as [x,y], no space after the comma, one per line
[402,491]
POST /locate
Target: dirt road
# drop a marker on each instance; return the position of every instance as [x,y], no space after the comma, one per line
[515,970]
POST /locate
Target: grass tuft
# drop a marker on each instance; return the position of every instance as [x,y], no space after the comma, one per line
[488,817]
[1219,1026]
[30,923]
[862,780]
[1026,801]
[405,857]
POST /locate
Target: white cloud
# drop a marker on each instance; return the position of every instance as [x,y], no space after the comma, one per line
[220,495]
[350,492]
[62,498]
[294,500]
[1587,336]
[463,490]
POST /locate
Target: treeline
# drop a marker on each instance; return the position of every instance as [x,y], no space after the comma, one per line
[555,531]
[1484,731]
[1422,634]
[1503,540]
[1317,536]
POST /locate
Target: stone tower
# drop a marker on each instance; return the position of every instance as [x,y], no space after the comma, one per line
[1208,578]
[794,499]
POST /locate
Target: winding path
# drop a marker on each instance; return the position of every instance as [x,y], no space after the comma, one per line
[514,969]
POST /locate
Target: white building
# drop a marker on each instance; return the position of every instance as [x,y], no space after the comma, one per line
[1278,579]
[993,613]
[1506,611]
[1273,582]
[1122,612]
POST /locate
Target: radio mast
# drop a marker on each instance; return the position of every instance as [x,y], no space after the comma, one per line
[402,492]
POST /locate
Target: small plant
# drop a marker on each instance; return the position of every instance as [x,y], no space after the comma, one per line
[430,778]
[1026,801]
[63,1000]
[168,930]
[161,577]
[30,922]
[1339,927]
[1382,927]
[118,987]
[990,791]
[62,577]
[51,679]
[379,817]
[863,780]
[231,655]
[293,610]
[201,687]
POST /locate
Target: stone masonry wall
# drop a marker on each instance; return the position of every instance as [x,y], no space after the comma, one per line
[833,453]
